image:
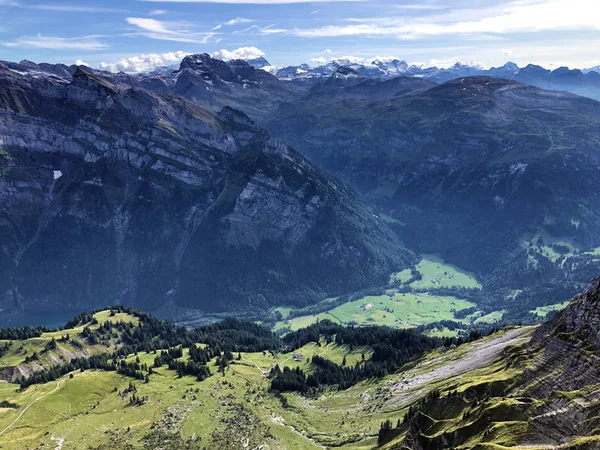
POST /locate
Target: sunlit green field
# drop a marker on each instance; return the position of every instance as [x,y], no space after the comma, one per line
[542,311]
[400,310]
[492,317]
[436,273]
[404,310]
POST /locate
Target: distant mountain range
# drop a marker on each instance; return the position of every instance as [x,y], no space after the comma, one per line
[581,82]
[492,173]
[256,87]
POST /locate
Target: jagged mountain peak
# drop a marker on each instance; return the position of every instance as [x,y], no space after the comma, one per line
[534,68]
[258,63]
[346,72]
[203,62]
[511,65]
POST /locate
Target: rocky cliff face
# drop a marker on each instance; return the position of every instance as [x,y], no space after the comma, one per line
[110,193]
[544,393]
[582,316]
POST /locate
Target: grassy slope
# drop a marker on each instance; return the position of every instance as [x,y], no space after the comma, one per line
[85,411]
[542,311]
[436,273]
[20,350]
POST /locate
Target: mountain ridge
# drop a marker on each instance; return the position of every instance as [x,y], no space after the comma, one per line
[476,153]
[115,192]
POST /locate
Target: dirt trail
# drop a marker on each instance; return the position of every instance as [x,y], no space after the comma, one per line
[453,365]
[29,406]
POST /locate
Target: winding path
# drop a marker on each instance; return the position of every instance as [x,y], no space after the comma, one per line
[29,406]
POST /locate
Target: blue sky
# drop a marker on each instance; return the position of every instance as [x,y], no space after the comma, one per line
[138,34]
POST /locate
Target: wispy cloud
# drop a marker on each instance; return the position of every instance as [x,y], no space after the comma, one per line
[256,30]
[168,31]
[238,20]
[157,12]
[153,25]
[89,43]
[517,16]
[143,63]
[270,29]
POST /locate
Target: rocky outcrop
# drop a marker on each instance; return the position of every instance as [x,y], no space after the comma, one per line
[113,194]
[547,395]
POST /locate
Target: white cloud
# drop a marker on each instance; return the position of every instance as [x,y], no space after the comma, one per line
[89,43]
[168,31]
[217,27]
[327,50]
[157,12]
[218,40]
[514,16]
[238,20]
[239,53]
[144,63]
[81,63]
[319,60]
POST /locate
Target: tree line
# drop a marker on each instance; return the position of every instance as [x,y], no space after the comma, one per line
[392,348]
